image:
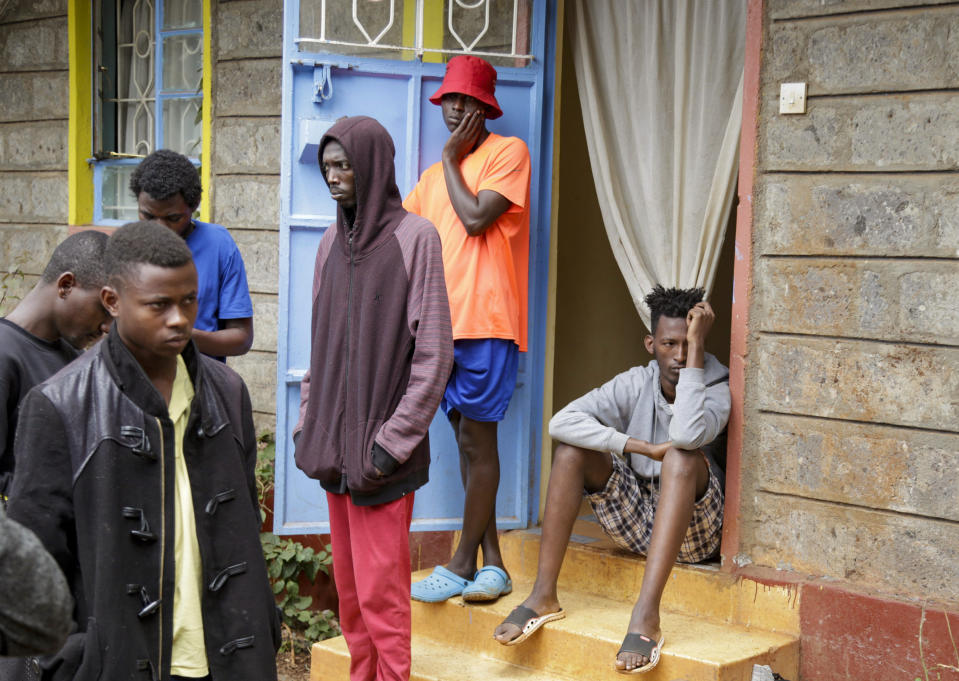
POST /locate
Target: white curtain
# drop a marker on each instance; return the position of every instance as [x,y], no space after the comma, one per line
[660,83]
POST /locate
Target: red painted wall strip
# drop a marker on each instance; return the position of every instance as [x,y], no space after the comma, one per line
[742,279]
[848,636]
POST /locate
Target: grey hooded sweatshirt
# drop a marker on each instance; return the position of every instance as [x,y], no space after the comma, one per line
[632,405]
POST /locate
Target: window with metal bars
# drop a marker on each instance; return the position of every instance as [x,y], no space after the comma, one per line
[148,76]
[431,30]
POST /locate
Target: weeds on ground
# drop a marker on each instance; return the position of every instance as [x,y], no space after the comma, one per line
[922,656]
[286,562]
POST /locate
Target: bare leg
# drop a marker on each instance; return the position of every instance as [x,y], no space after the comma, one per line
[490,541]
[683,479]
[479,470]
[573,470]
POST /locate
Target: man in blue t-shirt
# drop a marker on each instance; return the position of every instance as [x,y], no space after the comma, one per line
[167,188]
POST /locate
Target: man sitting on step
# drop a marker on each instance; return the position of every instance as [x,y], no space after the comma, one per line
[643,449]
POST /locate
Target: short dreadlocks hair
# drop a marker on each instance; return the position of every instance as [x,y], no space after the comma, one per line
[143,243]
[81,254]
[164,174]
[671,302]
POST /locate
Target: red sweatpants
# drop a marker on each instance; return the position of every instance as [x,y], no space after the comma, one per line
[371,565]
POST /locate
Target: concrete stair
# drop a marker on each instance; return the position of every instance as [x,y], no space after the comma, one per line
[716,626]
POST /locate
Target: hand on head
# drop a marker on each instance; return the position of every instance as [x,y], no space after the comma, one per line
[699,321]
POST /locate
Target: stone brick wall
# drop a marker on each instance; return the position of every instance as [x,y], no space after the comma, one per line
[247,49]
[34,107]
[33,138]
[851,453]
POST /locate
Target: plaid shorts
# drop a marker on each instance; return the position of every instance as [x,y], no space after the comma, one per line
[626,508]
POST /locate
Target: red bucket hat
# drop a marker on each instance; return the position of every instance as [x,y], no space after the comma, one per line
[469,75]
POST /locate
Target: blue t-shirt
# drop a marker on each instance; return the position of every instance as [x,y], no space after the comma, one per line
[223,292]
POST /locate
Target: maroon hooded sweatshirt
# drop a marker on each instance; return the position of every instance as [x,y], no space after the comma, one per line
[382,343]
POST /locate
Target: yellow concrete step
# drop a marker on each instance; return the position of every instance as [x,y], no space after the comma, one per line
[716,626]
[584,644]
[594,565]
[432,661]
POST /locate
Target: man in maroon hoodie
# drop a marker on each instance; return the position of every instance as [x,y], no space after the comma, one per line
[382,349]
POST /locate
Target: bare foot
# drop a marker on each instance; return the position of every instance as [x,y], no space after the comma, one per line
[639,623]
[507,631]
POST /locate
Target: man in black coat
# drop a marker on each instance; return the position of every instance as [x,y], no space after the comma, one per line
[140,483]
[57,318]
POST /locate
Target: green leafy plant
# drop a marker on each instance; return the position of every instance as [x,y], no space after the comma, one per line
[287,561]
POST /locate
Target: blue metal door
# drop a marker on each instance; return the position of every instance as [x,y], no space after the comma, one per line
[384,59]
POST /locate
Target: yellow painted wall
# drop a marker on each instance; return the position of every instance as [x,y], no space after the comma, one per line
[79,172]
[206,155]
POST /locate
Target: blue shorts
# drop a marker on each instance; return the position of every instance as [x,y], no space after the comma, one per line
[483,378]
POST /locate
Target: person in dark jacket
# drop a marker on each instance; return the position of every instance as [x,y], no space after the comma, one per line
[59,316]
[140,483]
[381,354]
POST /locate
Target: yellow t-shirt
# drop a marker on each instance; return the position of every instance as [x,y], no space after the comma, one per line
[189,650]
[486,275]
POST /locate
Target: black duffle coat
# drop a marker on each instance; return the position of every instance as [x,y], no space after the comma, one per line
[95,481]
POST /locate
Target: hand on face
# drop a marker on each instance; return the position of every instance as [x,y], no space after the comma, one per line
[464,138]
[466,119]
[699,321]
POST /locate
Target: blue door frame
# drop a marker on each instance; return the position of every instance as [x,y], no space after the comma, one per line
[317,89]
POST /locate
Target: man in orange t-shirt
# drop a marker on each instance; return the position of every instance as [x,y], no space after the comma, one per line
[478,198]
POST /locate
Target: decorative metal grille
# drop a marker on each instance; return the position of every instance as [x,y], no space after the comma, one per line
[149,75]
[495,29]
[135,78]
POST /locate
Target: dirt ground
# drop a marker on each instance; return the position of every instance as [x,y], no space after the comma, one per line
[288,671]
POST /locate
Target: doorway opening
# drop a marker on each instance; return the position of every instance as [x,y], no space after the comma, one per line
[598,332]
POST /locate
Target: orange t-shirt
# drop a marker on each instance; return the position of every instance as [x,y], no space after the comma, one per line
[487,275]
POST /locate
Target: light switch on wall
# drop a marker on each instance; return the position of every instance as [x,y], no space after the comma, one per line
[792,98]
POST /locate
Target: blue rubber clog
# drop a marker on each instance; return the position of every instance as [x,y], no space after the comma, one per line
[439,586]
[491,582]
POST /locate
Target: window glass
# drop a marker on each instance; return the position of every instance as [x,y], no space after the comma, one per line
[143,104]
[375,27]
[182,125]
[118,202]
[182,62]
[125,79]
[436,30]
[488,26]
[179,14]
